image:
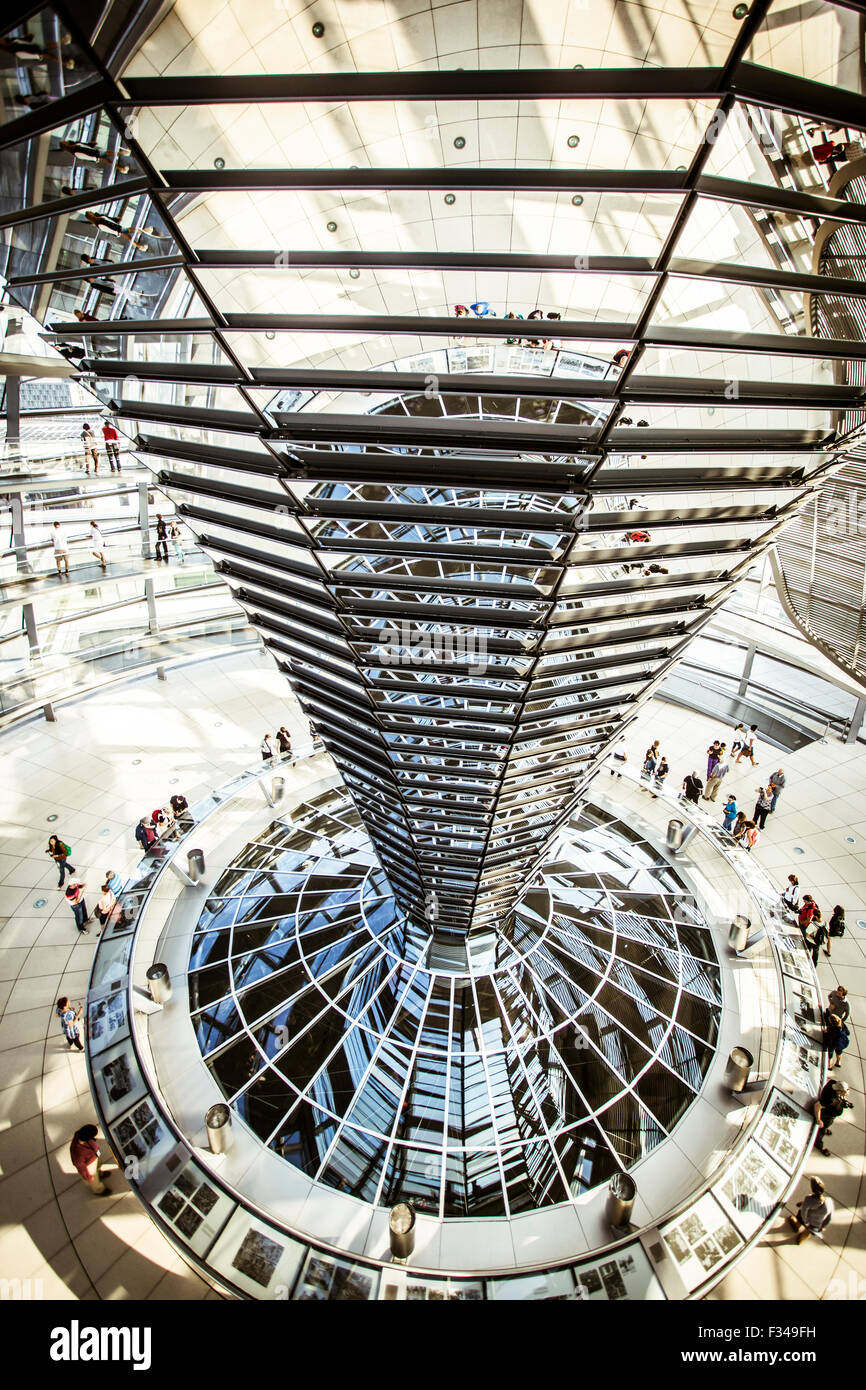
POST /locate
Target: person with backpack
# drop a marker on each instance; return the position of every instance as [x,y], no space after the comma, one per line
[819,936]
[835,927]
[836,1039]
[829,1106]
[69,1022]
[75,898]
[60,854]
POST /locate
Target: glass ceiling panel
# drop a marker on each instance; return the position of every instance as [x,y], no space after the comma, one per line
[610,33]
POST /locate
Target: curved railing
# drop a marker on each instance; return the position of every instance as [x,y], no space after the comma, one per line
[670,1259]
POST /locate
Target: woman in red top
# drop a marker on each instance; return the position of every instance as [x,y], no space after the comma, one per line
[806,913]
[112,445]
[84,1152]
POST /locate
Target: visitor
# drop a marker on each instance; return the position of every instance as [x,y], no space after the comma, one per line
[729,814]
[661,772]
[750,744]
[829,1106]
[827,153]
[114,881]
[791,893]
[114,225]
[105,905]
[835,927]
[836,1039]
[762,806]
[617,756]
[84,1152]
[60,854]
[176,537]
[145,834]
[97,540]
[161,538]
[751,835]
[620,357]
[284,742]
[112,445]
[89,152]
[819,936]
[721,768]
[837,1003]
[266,749]
[739,829]
[649,764]
[713,755]
[69,1022]
[60,542]
[738,738]
[808,908]
[775,788]
[813,1213]
[91,452]
[692,787]
[75,897]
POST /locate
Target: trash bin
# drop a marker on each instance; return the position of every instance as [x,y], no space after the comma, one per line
[278,789]
[675,834]
[738,1068]
[739,933]
[401,1231]
[195,859]
[218,1123]
[159,983]
[620,1199]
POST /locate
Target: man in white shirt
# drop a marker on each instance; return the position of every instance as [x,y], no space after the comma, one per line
[750,746]
[61,548]
[97,540]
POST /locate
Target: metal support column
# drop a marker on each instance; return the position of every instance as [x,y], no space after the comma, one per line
[856,723]
[747,670]
[143,522]
[19,540]
[13,412]
[31,629]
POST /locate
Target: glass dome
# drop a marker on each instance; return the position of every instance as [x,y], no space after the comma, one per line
[482,1080]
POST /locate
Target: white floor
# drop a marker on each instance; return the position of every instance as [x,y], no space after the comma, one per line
[110,758]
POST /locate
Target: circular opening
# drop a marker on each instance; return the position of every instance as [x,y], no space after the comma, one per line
[459,142]
[577,200]
[741,1057]
[270,334]
[39,902]
[332,226]
[51,818]
[573,142]
[136,762]
[217,1116]
[740,11]
[318,29]
[623,1187]
[450,199]
[354,274]
[219,162]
